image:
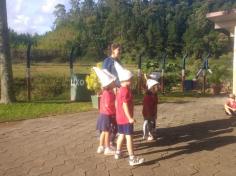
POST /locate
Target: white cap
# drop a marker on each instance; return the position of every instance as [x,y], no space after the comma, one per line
[123,73]
[151,83]
[104,77]
[155,75]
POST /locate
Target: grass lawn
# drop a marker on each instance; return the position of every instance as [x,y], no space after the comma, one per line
[25,110]
[19,70]
[21,111]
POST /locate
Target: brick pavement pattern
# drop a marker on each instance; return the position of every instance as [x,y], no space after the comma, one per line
[195,137]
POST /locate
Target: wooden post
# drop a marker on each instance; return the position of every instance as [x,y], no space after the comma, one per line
[162,81]
[183,79]
[139,74]
[204,81]
[28,78]
[71,61]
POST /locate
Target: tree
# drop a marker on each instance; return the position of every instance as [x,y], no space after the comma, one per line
[7,93]
[60,14]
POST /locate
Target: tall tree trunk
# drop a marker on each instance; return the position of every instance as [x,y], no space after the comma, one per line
[7,93]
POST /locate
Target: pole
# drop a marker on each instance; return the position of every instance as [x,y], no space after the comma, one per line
[204,81]
[71,61]
[183,79]
[163,73]
[139,74]
[183,72]
[28,78]
[162,81]
[234,63]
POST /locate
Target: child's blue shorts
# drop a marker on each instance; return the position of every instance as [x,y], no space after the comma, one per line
[104,122]
[127,129]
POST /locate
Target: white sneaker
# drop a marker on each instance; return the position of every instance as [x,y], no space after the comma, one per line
[117,155]
[100,149]
[109,151]
[136,161]
[150,138]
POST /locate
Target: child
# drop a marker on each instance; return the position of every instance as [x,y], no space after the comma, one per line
[230,105]
[150,110]
[107,110]
[124,115]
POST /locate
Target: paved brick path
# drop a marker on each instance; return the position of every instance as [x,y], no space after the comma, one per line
[195,138]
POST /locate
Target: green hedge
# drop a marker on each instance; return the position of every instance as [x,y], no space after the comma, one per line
[43,87]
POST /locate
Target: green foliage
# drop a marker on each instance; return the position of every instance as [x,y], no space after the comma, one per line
[222,70]
[150,66]
[172,76]
[59,88]
[148,27]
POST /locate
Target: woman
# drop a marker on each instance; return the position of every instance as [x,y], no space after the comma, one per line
[108,63]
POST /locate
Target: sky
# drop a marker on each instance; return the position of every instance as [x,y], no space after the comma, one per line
[32,16]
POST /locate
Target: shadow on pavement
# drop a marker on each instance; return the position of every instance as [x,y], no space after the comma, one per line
[200,136]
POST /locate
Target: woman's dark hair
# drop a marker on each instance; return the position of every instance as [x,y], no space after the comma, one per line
[114,46]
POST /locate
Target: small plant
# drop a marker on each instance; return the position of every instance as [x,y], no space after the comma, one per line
[92,80]
[219,75]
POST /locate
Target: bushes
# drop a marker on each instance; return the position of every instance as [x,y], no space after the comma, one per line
[172,72]
[43,87]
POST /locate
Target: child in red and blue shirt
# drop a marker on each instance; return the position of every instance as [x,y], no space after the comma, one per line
[150,102]
[107,111]
[124,115]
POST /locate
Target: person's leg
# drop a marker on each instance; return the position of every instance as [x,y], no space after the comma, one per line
[108,150]
[113,131]
[119,143]
[227,110]
[233,112]
[145,129]
[133,160]
[152,128]
[129,143]
[101,140]
[106,139]
[101,143]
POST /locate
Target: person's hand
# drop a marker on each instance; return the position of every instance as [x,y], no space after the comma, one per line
[131,120]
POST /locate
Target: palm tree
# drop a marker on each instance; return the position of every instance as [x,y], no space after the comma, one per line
[7,93]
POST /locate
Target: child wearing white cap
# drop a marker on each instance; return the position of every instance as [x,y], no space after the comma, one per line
[106,111]
[150,101]
[124,115]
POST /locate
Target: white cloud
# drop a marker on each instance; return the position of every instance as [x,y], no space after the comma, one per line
[49,5]
[21,20]
[18,5]
[27,16]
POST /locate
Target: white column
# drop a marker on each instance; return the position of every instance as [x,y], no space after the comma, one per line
[234,63]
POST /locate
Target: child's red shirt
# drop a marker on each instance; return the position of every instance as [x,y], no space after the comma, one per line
[124,95]
[150,105]
[107,102]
